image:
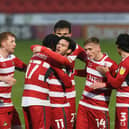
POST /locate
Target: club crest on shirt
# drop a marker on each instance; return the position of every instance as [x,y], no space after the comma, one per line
[3,64]
[5,123]
[13,63]
[122,70]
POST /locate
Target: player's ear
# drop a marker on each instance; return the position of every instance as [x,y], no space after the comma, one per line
[69,51]
[2,43]
[70,35]
[98,48]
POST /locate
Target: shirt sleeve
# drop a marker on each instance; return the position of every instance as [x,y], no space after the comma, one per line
[82,54]
[63,77]
[19,65]
[120,77]
[79,52]
[56,57]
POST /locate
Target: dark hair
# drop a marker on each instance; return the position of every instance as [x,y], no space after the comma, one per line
[62,24]
[92,40]
[4,35]
[122,42]
[50,41]
[72,44]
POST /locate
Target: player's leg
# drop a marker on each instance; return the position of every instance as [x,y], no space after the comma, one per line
[15,120]
[82,120]
[5,122]
[61,118]
[27,117]
[98,119]
[39,117]
[72,110]
[92,119]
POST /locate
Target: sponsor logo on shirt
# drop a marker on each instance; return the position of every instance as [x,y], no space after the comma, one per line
[5,123]
[122,70]
[4,64]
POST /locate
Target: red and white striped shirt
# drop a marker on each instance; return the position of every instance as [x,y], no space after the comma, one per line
[57,94]
[70,92]
[7,67]
[36,90]
[97,99]
[120,82]
[78,52]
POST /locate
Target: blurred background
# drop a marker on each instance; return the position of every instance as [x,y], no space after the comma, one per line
[32,19]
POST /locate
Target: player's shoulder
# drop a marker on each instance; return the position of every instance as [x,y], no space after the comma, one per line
[109,60]
[39,56]
[125,61]
[39,59]
[9,58]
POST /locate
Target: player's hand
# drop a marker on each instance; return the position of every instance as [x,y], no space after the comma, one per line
[102,69]
[98,85]
[70,60]
[9,80]
[36,48]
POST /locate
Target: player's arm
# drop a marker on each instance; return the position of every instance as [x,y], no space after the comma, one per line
[112,70]
[81,54]
[63,77]
[8,79]
[120,77]
[19,65]
[115,82]
[111,81]
[54,56]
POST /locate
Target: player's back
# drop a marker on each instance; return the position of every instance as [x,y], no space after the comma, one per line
[35,88]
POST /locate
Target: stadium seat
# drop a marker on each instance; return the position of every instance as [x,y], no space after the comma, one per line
[50,6]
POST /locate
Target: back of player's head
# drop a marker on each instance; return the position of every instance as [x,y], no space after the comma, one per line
[4,35]
[122,42]
[94,40]
[50,41]
[72,44]
[61,24]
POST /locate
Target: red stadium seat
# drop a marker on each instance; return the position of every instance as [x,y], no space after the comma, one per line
[50,6]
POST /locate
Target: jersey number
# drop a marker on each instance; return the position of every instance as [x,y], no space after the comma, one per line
[60,123]
[101,123]
[30,70]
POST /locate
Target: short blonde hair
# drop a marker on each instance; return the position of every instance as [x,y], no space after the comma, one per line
[4,36]
[92,40]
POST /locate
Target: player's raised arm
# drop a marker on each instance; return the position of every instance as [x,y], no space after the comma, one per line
[53,55]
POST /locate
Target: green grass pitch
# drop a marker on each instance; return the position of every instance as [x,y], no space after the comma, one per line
[24,53]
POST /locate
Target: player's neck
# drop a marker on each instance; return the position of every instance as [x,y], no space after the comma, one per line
[3,52]
[99,56]
[124,55]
